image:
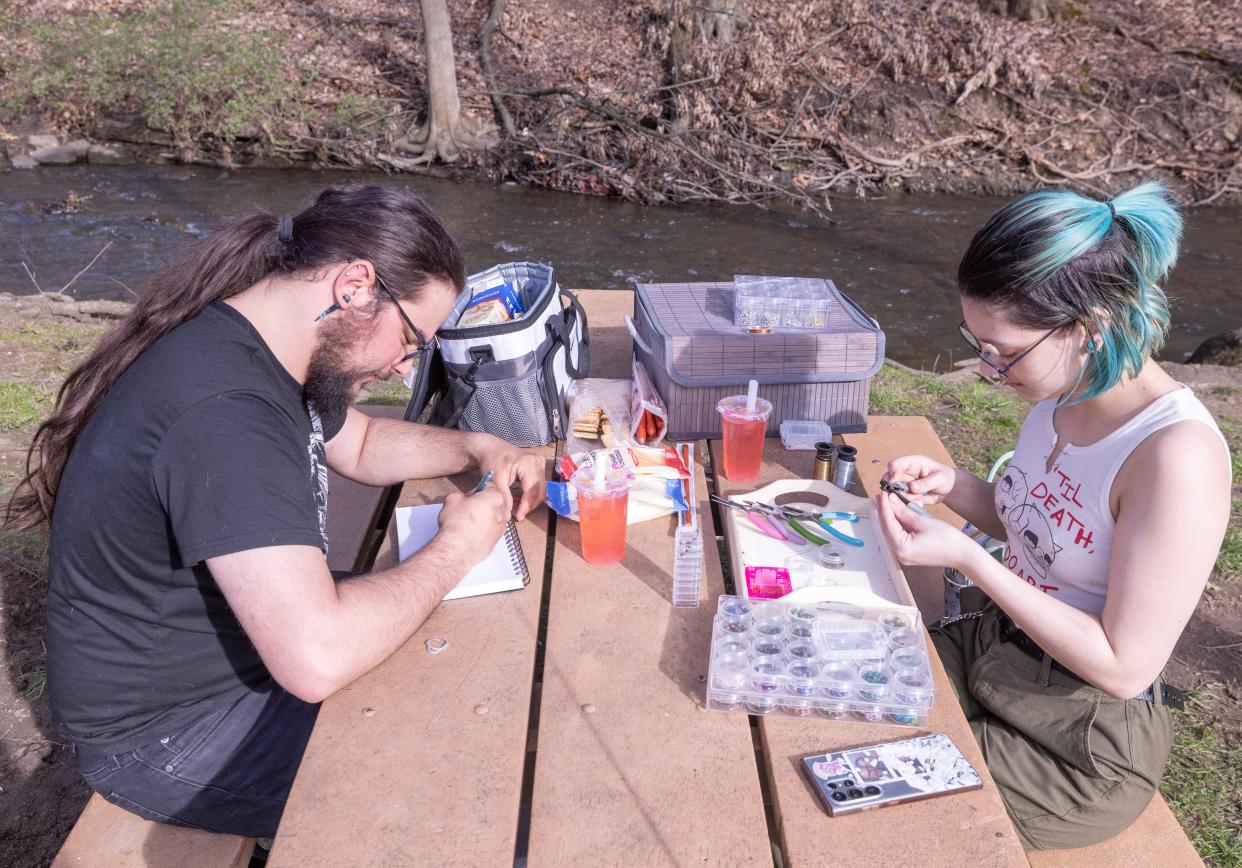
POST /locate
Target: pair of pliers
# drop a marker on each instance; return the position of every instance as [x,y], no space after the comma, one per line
[756,516]
[825,520]
[795,525]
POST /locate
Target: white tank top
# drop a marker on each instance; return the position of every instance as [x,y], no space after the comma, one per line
[1060,526]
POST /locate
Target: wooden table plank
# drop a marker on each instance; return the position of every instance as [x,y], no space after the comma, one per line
[965,829]
[421,759]
[612,349]
[630,767]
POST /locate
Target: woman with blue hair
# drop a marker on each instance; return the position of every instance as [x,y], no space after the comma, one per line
[1113,507]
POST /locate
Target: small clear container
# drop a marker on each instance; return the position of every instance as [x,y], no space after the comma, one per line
[800,632]
[772,312]
[768,627]
[800,678]
[874,684]
[839,682]
[870,713]
[902,640]
[765,674]
[768,646]
[905,716]
[731,672]
[749,311]
[767,610]
[725,701]
[893,621]
[912,689]
[817,313]
[804,433]
[760,704]
[732,643]
[798,707]
[907,661]
[802,651]
[737,625]
[834,710]
[796,308]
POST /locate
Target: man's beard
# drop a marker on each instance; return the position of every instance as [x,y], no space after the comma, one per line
[331,384]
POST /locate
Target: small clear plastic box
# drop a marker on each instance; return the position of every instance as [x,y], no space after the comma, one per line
[787,303]
[804,434]
[819,660]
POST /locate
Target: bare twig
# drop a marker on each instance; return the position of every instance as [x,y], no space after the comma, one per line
[30,274]
[64,289]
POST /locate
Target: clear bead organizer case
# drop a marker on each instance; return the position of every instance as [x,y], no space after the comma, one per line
[829,660]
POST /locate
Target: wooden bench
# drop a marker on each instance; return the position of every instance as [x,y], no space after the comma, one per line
[1156,838]
[106,835]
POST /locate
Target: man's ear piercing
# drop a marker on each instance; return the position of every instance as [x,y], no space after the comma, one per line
[345,298]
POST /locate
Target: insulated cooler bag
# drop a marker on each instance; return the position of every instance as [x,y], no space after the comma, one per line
[685,337]
[507,379]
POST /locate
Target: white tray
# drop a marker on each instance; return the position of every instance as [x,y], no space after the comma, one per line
[871,576]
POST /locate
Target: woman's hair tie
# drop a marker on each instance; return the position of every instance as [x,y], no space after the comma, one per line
[285,230]
[1112,209]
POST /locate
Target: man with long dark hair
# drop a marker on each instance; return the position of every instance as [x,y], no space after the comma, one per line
[193,624]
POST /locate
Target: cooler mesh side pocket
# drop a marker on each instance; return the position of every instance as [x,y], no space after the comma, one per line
[511,409]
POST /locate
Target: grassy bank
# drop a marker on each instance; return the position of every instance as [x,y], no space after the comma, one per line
[976,422]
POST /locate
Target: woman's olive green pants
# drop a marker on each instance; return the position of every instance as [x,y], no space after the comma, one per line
[1073,765]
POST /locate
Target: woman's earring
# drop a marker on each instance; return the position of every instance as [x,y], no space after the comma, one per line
[1091,347]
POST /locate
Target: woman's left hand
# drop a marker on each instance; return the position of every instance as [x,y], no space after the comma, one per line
[920,540]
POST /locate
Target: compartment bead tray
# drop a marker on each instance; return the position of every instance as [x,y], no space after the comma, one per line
[827,660]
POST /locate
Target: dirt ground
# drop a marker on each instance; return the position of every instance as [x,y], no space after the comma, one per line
[41,794]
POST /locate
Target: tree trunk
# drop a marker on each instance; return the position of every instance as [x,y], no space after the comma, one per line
[715,22]
[447,130]
[719,20]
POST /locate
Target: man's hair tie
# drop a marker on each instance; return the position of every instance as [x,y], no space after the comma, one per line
[285,230]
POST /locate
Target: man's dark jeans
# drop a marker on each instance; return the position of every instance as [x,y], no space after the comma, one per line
[229,771]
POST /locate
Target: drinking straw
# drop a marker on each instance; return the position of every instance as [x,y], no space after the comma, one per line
[752,396]
[600,469]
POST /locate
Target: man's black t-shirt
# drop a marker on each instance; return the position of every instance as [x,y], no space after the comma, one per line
[203,447]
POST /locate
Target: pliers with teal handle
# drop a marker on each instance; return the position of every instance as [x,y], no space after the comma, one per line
[825,520]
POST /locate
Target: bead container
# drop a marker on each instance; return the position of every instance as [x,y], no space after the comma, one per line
[825,661]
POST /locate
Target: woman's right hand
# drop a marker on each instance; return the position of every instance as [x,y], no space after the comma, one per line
[928,480]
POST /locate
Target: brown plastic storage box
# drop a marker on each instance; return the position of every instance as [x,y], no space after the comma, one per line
[685,337]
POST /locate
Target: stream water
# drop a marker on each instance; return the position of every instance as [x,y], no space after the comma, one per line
[896,256]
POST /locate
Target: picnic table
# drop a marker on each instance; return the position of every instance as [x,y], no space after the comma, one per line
[565,724]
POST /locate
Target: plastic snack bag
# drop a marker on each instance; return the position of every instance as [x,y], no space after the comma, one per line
[648,415]
[598,414]
[657,488]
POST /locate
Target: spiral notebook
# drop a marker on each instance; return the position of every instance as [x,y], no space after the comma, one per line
[502,570]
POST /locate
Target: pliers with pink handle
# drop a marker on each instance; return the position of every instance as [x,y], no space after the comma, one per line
[757,518]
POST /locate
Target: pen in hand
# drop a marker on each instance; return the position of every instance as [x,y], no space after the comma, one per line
[483,483]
